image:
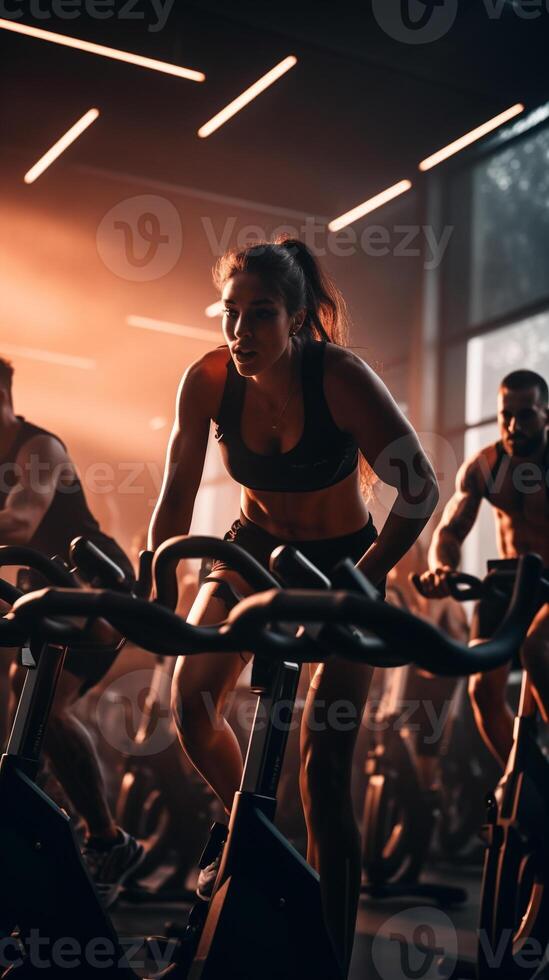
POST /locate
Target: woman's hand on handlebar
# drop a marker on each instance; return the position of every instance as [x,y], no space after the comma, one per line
[433,584]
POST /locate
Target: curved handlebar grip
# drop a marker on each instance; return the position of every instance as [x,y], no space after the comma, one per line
[346,575]
[143,585]
[464,587]
[9,593]
[146,623]
[461,587]
[94,564]
[295,570]
[55,573]
[172,551]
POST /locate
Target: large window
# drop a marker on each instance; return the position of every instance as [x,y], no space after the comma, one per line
[493,355]
[510,228]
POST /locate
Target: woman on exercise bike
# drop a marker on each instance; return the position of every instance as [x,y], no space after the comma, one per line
[299,420]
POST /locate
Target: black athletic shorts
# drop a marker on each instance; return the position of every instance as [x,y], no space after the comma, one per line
[323,552]
[89,665]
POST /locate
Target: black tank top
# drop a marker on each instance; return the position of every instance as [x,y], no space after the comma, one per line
[68,514]
[324,455]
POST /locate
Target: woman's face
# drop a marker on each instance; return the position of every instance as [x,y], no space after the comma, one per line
[256,323]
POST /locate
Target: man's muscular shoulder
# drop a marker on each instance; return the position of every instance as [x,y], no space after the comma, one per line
[474,474]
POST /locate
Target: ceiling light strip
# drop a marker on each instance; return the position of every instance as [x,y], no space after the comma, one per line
[177,329]
[103,51]
[48,356]
[247,96]
[370,205]
[472,137]
[58,148]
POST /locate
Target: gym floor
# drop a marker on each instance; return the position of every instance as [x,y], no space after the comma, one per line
[393,936]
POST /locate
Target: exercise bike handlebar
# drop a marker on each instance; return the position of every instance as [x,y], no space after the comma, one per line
[53,569]
[89,560]
[296,571]
[293,569]
[462,587]
[433,650]
[93,564]
[145,622]
[172,551]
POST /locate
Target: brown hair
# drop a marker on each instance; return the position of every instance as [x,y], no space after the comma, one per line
[293,272]
[6,375]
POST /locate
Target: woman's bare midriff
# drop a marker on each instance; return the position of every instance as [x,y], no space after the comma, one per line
[301,516]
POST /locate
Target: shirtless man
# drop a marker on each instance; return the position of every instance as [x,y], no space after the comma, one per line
[513,476]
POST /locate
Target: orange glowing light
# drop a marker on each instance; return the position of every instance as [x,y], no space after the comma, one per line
[177,329]
[58,148]
[472,137]
[370,205]
[214,309]
[102,50]
[247,96]
[48,356]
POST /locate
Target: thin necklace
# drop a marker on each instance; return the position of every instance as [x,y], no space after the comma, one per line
[276,423]
[278,418]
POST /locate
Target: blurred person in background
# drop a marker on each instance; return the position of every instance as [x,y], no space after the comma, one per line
[43,506]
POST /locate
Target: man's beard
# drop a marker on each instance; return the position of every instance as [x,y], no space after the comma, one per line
[525,447]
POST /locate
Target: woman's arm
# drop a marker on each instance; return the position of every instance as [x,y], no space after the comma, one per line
[184,459]
[363,406]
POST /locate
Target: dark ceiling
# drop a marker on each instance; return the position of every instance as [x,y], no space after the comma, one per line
[357,113]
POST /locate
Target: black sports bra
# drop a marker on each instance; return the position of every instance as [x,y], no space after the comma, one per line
[324,455]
